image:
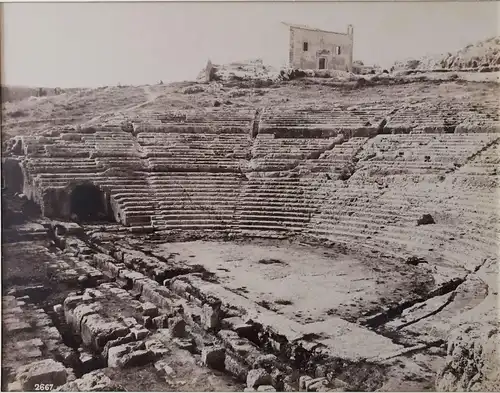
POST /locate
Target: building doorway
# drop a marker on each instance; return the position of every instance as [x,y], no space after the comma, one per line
[322,63]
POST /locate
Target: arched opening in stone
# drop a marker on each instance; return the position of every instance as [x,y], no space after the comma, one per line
[89,204]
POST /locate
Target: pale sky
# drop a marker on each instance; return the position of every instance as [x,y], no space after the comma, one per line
[97,44]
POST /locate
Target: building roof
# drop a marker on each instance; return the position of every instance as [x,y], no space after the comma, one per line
[304,27]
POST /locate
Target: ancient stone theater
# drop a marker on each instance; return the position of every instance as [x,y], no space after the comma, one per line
[302,234]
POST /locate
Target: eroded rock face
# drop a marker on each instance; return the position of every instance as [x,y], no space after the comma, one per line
[472,362]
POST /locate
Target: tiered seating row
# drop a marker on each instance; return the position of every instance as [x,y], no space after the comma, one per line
[276,204]
[58,164]
[429,119]
[291,117]
[336,159]
[210,121]
[194,151]
[194,200]
[207,116]
[422,153]
[281,153]
[487,163]
[387,220]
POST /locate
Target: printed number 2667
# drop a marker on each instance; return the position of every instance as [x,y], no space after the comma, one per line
[43,386]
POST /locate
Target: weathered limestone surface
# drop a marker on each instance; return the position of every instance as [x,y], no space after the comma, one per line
[472,361]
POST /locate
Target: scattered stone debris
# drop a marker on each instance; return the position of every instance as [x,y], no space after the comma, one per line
[415,260]
[426,219]
[271,261]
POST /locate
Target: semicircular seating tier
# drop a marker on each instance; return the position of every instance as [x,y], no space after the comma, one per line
[360,175]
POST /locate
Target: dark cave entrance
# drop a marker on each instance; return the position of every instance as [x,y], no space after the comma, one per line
[12,177]
[89,204]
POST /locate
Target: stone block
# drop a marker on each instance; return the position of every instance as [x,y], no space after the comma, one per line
[35,342]
[302,382]
[159,296]
[213,357]
[52,333]
[74,315]
[95,381]
[258,377]
[15,387]
[16,326]
[118,352]
[210,317]
[160,322]
[130,322]
[41,372]
[139,333]
[320,371]
[96,331]
[339,384]
[92,293]
[266,388]
[312,385]
[231,322]
[278,379]
[149,309]
[157,347]
[136,358]
[267,362]
[235,367]
[148,322]
[15,310]
[115,353]
[114,343]
[164,369]
[245,330]
[88,361]
[186,344]
[228,336]
[177,327]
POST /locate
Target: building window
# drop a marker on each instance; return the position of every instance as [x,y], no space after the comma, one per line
[305,46]
[337,50]
[322,63]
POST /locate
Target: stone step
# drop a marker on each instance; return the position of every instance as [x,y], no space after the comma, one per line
[259,221]
[286,219]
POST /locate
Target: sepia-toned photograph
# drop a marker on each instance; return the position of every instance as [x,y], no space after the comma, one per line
[250,196]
